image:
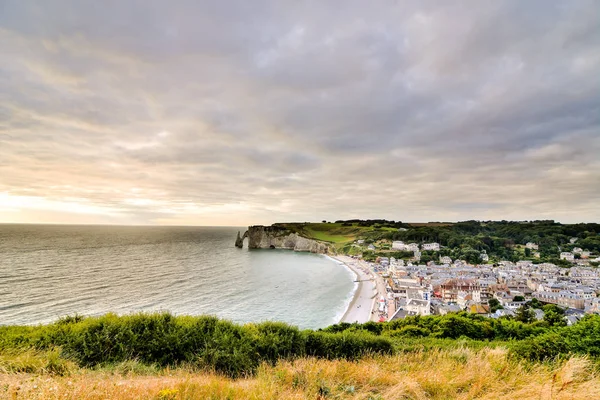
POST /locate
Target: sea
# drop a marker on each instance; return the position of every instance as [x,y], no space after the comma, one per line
[51,271]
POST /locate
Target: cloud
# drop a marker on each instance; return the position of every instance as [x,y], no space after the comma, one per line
[255,112]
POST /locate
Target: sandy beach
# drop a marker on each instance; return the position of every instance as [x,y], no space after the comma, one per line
[361,306]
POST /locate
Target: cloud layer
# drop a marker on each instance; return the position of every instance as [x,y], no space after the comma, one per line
[236,112]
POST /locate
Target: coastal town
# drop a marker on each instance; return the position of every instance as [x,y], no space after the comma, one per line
[391,288]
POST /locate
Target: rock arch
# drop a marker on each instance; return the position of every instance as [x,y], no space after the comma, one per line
[239,241]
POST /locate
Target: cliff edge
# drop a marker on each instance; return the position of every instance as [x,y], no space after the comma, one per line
[277,237]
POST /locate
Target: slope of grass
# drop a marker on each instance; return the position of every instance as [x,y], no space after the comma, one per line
[459,373]
[335,233]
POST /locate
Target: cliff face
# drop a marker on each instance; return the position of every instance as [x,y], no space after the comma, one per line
[274,237]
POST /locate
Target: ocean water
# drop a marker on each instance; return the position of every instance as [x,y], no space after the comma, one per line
[49,271]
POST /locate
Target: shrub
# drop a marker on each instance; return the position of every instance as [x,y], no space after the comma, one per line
[409,331]
[345,345]
[277,340]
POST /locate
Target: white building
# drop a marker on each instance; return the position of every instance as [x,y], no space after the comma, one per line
[484,257]
[524,263]
[577,250]
[418,307]
[585,254]
[532,246]
[401,246]
[565,255]
[412,247]
[445,260]
[431,246]
[398,245]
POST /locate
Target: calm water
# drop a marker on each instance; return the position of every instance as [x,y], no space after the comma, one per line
[50,271]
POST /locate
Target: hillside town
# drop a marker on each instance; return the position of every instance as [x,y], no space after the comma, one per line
[494,290]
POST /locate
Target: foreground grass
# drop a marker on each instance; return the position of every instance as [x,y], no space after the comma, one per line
[459,373]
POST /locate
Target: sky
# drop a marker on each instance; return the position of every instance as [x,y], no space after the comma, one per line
[253,112]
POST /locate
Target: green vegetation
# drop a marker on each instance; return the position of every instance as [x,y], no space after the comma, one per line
[341,234]
[166,340]
[162,340]
[467,240]
[531,340]
[502,240]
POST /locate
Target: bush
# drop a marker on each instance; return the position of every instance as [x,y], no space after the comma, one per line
[581,338]
[277,340]
[349,346]
[409,331]
[165,340]
[231,350]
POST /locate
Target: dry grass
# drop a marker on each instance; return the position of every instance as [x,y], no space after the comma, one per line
[440,374]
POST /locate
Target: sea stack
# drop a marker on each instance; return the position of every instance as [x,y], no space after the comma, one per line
[239,242]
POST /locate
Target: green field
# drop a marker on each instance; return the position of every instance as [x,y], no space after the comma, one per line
[335,233]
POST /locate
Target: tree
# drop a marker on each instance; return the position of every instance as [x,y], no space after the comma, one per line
[518,298]
[524,314]
[534,303]
[494,305]
[554,315]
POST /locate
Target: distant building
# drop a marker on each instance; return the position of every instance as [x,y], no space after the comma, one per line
[417,255]
[577,250]
[412,247]
[431,246]
[523,264]
[398,245]
[478,308]
[531,246]
[563,298]
[418,307]
[445,260]
[450,289]
[484,257]
[565,255]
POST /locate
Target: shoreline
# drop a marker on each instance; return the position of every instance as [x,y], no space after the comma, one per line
[361,306]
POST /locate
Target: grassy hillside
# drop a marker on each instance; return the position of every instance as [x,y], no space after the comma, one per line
[341,235]
[160,356]
[459,373]
[467,240]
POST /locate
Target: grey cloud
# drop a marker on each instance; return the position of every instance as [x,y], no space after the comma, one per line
[259,111]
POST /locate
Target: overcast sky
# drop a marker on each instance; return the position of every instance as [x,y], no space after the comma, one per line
[247,112]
